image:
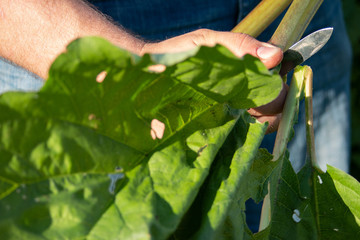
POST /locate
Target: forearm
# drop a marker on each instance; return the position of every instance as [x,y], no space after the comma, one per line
[34,32]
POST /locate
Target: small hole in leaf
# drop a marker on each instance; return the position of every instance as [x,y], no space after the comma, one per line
[114,177]
[201,149]
[157,129]
[119,169]
[101,76]
[296,216]
[159,68]
[91,117]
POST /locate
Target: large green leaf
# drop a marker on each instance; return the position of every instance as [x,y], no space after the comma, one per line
[239,173]
[291,207]
[314,205]
[77,158]
[338,200]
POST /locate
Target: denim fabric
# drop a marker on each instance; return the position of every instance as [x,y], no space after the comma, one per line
[14,78]
[160,19]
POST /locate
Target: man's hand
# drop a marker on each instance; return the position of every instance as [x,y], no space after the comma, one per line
[239,44]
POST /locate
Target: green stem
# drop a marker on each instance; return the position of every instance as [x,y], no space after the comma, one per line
[290,109]
[261,17]
[310,138]
[290,30]
[289,113]
[294,23]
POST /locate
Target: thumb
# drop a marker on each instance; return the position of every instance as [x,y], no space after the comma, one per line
[270,55]
[241,44]
[238,43]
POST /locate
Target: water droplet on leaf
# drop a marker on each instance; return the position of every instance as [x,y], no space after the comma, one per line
[336,230]
[296,216]
[320,180]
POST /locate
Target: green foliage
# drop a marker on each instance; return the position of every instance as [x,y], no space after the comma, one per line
[59,145]
[314,205]
[81,158]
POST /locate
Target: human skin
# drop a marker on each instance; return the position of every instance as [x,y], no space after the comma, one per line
[34,33]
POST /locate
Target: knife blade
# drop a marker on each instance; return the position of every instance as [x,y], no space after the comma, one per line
[304,49]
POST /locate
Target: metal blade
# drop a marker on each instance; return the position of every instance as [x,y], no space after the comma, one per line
[304,49]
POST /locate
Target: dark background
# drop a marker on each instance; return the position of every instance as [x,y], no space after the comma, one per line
[352,18]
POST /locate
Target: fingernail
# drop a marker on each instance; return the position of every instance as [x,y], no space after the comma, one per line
[267,52]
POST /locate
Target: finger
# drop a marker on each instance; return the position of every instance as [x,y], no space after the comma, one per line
[254,113]
[270,55]
[238,43]
[241,44]
[274,107]
[272,120]
[179,43]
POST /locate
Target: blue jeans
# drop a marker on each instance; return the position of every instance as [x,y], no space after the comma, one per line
[158,20]
[14,78]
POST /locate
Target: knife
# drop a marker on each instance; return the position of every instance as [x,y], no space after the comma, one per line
[295,55]
[304,49]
